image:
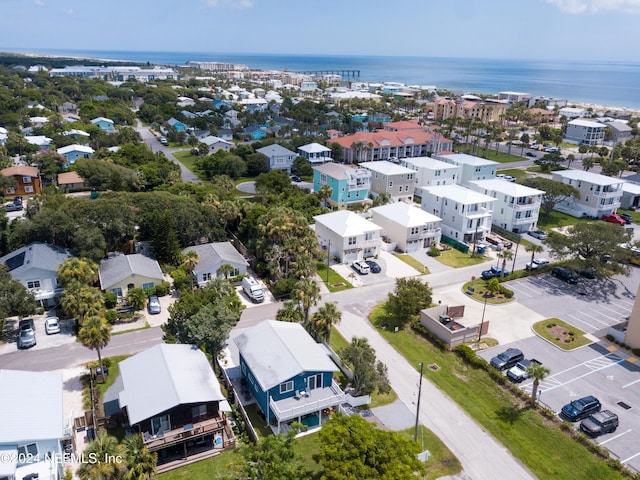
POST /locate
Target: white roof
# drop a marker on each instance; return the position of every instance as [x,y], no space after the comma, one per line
[386,168]
[405,214]
[429,163]
[30,406]
[585,123]
[589,177]
[277,351]
[508,188]
[630,187]
[38,140]
[458,194]
[314,148]
[165,376]
[38,119]
[463,158]
[212,140]
[75,131]
[75,148]
[101,119]
[346,223]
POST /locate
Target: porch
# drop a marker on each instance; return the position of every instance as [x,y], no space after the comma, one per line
[192,432]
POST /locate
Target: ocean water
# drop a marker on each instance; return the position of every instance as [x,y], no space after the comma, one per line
[614,84]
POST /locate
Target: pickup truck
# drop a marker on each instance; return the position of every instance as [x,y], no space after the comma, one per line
[614,218]
[519,372]
[494,272]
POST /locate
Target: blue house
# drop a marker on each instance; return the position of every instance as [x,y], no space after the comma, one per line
[74,152]
[288,373]
[105,124]
[177,124]
[348,185]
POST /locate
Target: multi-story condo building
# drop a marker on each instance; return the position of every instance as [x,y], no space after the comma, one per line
[516,207]
[486,111]
[466,215]
[395,180]
[407,225]
[431,172]
[473,168]
[599,194]
[584,132]
[115,73]
[348,185]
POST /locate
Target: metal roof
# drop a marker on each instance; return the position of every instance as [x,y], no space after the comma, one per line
[165,376]
[35,255]
[503,186]
[277,351]
[386,168]
[589,177]
[465,159]
[30,406]
[458,194]
[346,223]
[405,214]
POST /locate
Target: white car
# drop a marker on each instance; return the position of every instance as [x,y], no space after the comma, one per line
[537,263]
[361,267]
[52,325]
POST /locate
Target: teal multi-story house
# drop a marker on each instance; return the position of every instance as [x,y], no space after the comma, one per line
[349,185]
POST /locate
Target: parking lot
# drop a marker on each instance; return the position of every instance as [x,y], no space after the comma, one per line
[601,369]
[590,305]
[42,339]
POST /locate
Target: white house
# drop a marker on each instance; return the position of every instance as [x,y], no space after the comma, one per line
[572,112]
[473,168]
[599,194]
[316,153]
[280,158]
[36,267]
[74,152]
[4,134]
[41,141]
[347,235]
[466,215]
[516,207]
[216,143]
[432,172]
[212,256]
[395,180]
[407,225]
[584,132]
[33,427]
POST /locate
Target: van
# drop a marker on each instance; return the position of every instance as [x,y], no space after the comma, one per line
[253,289]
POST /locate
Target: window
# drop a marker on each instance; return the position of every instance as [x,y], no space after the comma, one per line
[160,424]
[26,179]
[11,190]
[33,284]
[323,178]
[28,452]
[148,285]
[368,236]
[518,214]
[352,240]
[415,230]
[406,188]
[117,291]
[198,411]
[286,387]
[28,189]
[390,184]
[206,277]
[437,173]
[314,381]
[586,198]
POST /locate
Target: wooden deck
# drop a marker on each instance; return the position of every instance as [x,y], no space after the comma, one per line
[184,434]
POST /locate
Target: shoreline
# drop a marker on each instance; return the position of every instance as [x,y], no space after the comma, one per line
[600,108]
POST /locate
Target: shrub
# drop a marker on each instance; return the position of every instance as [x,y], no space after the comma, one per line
[111,316]
[609,337]
[283,286]
[417,327]
[469,356]
[636,351]
[110,300]
[433,251]
[163,289]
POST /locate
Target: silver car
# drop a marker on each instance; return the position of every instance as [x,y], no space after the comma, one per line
[154,305]
[26,333]
[51,325]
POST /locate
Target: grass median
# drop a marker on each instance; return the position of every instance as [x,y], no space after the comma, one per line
[539,443]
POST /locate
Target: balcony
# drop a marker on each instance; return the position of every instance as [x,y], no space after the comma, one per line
[607,193]
[478,213]
[185,433]
[358,185]
[316,400]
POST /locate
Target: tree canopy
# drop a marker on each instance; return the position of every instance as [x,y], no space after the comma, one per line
[555,192]
[409,297]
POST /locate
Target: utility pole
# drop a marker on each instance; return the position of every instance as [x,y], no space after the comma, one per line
[415,434]
[328,260]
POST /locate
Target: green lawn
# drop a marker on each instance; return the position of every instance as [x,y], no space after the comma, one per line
[558,219]
[258,422]
[412,262]
[189,161]
[113,365]
[456,259]
[517,173]
[482,294]
[442,462]
[336,283]
[215,468]
[635,214]
[491,154]
[569,338]
[538,443]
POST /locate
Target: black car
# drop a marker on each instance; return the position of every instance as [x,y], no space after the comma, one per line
[626,217]
[581,408]
[507,359]
[373,266]
[296,178]
[600,423]
[531,154]
[565,274]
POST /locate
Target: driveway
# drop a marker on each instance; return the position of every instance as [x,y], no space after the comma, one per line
[247,187]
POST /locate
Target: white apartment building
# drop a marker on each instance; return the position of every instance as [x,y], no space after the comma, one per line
[395,180]
[466,215]
[348,236]
[407,225]
[431,172]
[584,132]
[473,168]
[599,194]
[516,207]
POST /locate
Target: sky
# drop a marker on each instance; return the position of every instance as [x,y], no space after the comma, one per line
[512,29]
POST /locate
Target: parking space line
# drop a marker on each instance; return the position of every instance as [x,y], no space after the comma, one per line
[582,312]
[593,370]
[578,319]
[630,458]
[613,438]
[631,383]
[615,311]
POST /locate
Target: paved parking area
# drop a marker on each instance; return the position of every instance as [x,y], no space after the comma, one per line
[42,339]
[591,305]
[601,369]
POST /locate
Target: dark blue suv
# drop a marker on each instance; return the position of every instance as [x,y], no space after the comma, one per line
[581,408]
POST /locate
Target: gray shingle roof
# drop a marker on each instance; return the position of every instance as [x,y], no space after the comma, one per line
[216,253]
[275,150]
[35,255]
[116,269]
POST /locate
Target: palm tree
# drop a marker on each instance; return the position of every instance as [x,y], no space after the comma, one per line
[95,335]
[82,301]
[307,293]
[290,312]
[324,319]
[140,462]
[77,270]
[226,270]
[103,449]
[325,193]
[504,255]
[190,261]
[533,248]
[538,372]
[137,298]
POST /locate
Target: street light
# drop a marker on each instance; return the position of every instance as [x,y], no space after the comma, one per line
[482,321]
[415,434]
[328,258]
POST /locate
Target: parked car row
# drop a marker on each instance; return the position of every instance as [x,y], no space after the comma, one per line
[595,421]
[494,272]
[364,267]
